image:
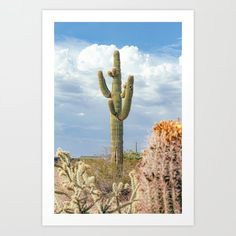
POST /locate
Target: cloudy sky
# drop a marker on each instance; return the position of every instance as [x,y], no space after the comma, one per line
[149,51]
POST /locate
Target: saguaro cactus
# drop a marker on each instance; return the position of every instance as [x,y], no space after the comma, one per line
[117,112]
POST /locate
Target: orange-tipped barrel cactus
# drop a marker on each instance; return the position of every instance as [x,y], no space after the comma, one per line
[160,171]
[118,111]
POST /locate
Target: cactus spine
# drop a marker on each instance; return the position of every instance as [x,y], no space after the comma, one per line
[117,112]
[76,191]
[160,171]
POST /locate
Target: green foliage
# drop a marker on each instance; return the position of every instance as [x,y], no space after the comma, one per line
[132,155]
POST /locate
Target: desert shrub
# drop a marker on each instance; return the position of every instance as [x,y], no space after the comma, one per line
[132,155]
[159,173]
[76,190]
[105,172]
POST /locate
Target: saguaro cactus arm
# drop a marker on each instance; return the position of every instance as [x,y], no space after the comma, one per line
[128,98]
[103,86]
[123,92]
[112,107]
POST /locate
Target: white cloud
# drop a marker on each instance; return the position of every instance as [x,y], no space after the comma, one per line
[95,57]
[157,87]
[150,72]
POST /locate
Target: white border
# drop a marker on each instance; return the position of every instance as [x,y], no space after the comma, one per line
[187,19]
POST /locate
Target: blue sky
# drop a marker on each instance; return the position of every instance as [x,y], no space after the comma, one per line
[149,37]
[149,51]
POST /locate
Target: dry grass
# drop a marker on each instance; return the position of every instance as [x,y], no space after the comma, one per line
[75,193]
[105,172]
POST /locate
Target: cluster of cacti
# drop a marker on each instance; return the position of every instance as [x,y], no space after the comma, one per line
[117,112]
[77,191]
[160,171]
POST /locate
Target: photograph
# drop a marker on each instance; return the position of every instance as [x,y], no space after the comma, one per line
[117,118]
[117,115]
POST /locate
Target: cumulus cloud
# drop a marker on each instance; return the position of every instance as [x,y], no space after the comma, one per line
[157,86]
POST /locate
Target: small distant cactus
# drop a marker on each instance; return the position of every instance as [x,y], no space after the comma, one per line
[79,194]
[118,112]
[160,171]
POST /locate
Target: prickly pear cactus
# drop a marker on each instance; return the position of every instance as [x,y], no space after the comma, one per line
[160,171]
[118,112]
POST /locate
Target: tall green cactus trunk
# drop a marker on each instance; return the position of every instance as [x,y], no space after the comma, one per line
[117,143]
[117,112]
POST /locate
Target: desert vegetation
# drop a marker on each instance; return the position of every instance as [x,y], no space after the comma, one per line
[159,173]
[118,111]
[151,181]
[79,192]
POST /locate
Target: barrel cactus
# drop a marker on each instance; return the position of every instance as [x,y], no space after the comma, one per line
[160,171]
[118,111]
